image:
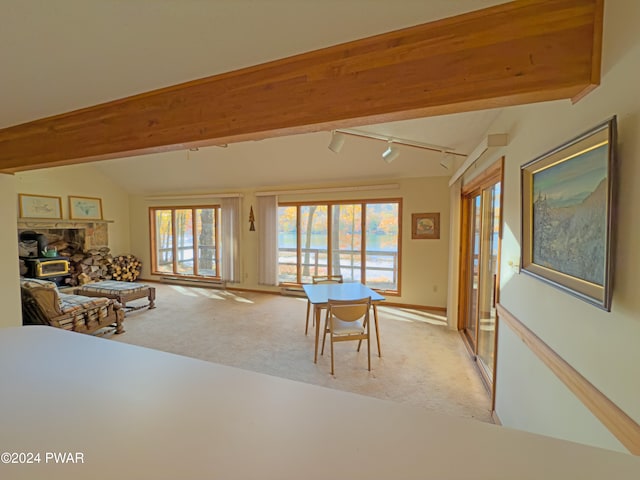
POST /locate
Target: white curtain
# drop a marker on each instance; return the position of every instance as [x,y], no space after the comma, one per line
[268,240]
[230,235]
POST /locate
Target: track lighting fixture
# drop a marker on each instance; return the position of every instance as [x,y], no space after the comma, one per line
[337,141]
[446,161]
[391,153]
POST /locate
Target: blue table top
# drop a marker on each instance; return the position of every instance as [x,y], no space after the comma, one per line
[321,293]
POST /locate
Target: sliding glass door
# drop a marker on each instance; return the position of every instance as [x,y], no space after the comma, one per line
[482,214]
[359,240]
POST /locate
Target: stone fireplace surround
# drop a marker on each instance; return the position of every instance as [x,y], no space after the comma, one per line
[81,241]
[82,235]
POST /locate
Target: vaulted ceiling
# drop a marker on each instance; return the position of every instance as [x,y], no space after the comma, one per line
[70,54]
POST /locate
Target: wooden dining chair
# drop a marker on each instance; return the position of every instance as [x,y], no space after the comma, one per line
[318,279]
[347,320]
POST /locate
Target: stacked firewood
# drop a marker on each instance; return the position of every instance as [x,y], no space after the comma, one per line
[92,266]
[125,268]
[60,246]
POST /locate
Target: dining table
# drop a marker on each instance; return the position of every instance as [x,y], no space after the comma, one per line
[319,295]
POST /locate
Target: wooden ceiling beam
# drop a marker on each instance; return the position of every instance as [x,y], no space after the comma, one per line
[519,52]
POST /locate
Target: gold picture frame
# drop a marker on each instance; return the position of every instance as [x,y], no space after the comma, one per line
[567,215]
[39,206]
[425,225]
[85,208]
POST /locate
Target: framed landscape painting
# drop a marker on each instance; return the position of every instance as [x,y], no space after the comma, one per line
[567,208]
[425,225]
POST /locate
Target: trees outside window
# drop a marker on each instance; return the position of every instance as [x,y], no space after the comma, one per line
[359,240]
[186,241]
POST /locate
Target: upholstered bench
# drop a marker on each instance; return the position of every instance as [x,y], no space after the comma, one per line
[122,291]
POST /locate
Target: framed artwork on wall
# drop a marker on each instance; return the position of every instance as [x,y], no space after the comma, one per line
[85,208]
[425,225]
[39,206]
[567,209]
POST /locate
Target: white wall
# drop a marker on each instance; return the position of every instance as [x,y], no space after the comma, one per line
[84,181]
[424,264]
[602,346]
[10,314]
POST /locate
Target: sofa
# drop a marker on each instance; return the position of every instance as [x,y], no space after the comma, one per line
[44,304]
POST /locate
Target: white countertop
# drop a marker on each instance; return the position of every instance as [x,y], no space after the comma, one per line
[139,413]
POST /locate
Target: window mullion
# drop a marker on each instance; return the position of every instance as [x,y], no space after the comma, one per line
[329,239]
[363,243]
[298,247]
[194,222]
[174,244]
[216,224]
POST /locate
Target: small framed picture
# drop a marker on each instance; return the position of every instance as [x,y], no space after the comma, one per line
[85,208]
[39,206]
[425,225]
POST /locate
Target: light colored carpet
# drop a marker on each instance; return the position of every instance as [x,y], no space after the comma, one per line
[423,363]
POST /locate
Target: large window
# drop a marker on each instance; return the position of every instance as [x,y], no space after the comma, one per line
[186,241]
[359,240]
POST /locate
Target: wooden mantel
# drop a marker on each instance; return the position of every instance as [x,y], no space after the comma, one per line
[56,223]
[518,52]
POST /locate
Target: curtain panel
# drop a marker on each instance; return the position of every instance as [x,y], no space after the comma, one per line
[268,240]
[230,236]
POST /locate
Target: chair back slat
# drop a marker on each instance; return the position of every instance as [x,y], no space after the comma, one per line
[349,310]
[322,279]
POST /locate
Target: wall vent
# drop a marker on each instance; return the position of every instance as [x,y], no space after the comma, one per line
[195,282]
[292,292]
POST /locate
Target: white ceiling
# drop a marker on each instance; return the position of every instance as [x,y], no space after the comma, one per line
[275,162]
[61,55]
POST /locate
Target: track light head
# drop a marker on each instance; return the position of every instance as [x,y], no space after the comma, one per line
[391,153]
[446,161]
[337,141]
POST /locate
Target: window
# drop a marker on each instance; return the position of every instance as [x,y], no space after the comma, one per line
[185,241]
[359,240]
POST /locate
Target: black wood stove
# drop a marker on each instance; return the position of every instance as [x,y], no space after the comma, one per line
[38,260]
